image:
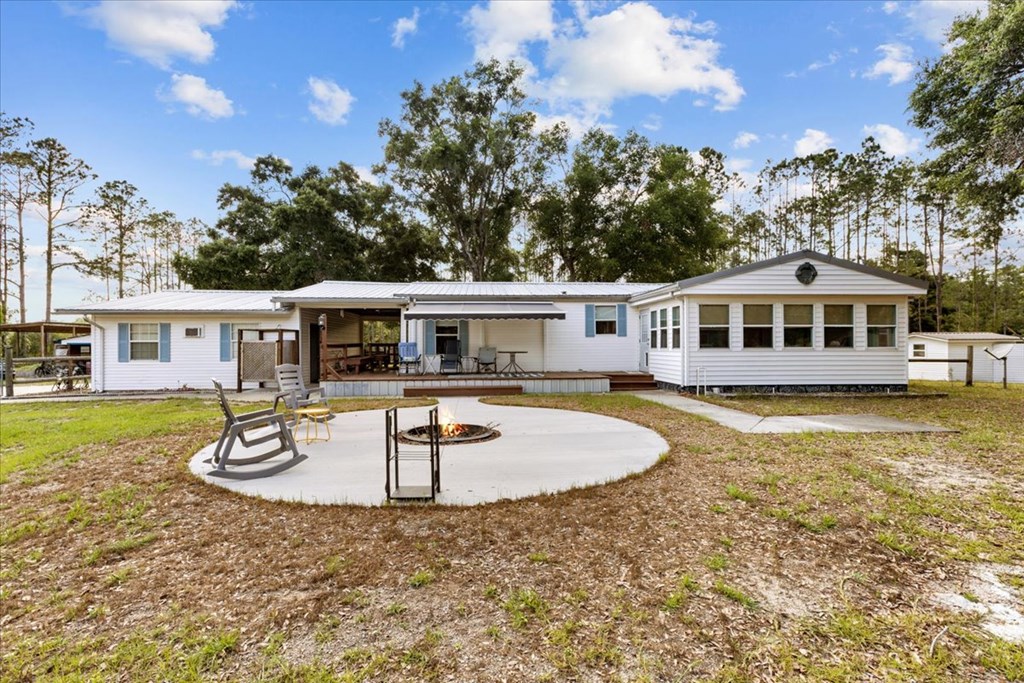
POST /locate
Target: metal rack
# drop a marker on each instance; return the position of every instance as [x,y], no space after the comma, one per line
[397,453]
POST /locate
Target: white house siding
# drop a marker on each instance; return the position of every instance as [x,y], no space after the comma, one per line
[780,366]
[567,348]
[781,280]
[193,361]
[666,364]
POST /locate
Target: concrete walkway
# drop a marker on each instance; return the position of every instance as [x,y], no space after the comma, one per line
[755,424]
[540,450]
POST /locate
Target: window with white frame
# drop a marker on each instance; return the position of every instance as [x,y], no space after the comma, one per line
[446,337]
[665,328]
[676,335]
[194,332]
[758,326]
[248,334]
[798,326]
[838,326]
[606,319]
[144,341]
[881,326]
[919,351]
[714,326]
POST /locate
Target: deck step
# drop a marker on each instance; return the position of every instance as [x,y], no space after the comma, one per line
[631,381]
[484,390]
[633,386]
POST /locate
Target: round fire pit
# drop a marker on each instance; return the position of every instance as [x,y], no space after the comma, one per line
[450,434]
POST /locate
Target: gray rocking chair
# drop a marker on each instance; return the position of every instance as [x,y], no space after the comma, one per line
[238,427]
[294,394]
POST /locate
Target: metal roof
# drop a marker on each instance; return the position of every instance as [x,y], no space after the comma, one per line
[337,290]
[186,301]
[397,292]
[969,336]
[485,310]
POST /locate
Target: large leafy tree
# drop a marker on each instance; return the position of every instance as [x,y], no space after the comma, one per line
[675,231]
[466,156]
[971,101]
[574,215]
[288,230]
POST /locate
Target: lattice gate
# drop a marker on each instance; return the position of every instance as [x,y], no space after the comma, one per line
[260,351]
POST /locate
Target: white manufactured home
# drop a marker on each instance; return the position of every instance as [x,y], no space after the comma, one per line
[800,322]
[927,349]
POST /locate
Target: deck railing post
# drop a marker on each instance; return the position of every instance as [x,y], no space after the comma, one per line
[969,375]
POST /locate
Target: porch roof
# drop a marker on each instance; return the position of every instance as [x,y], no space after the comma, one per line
[485,310]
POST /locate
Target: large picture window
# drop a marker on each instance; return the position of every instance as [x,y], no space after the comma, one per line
[714,326]
[605,320]
[881,326]
[757,326]
[144,341]
[798,325]
[838,326]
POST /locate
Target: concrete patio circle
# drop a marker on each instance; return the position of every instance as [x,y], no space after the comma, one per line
[540,450]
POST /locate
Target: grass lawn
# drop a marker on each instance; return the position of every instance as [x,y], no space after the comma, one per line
[738,557]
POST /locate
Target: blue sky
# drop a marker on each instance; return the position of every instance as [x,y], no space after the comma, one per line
[178,98]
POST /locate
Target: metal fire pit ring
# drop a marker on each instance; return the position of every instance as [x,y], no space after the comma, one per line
[472,434]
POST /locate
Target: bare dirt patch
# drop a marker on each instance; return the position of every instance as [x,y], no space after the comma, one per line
[936,475]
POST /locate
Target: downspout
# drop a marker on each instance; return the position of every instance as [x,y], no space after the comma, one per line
[102,356]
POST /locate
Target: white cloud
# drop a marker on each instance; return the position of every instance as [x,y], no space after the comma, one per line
[932,18]
[218,156]
[744,140]
[577,123]
[502,29]
[652,122]
[331,103]
[591,60]
[636,50]
[405,26]
[813,142]
[198,97]
[366,174]
[833,57]
[160,32]
[892,140]
[890,7]
[895,63]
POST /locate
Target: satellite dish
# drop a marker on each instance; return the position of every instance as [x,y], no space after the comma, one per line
[1001,350]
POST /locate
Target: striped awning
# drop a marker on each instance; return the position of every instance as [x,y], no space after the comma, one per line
[485,310]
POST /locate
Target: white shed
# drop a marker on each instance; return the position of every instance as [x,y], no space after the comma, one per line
[943,345]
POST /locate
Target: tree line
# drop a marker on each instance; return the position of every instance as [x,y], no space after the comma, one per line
[113,235]
[470,188]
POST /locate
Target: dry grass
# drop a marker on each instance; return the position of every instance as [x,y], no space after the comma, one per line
[737,557]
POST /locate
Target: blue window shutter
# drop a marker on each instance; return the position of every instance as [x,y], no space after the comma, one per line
[165,342]
[123,352]
[430,343]
[620,325]
[589,320]
[225,342]
[463,337]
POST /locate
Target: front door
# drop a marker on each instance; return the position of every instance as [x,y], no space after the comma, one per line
[314,353]
[645,340]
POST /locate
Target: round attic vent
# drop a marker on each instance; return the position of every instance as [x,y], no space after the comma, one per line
[806,273]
